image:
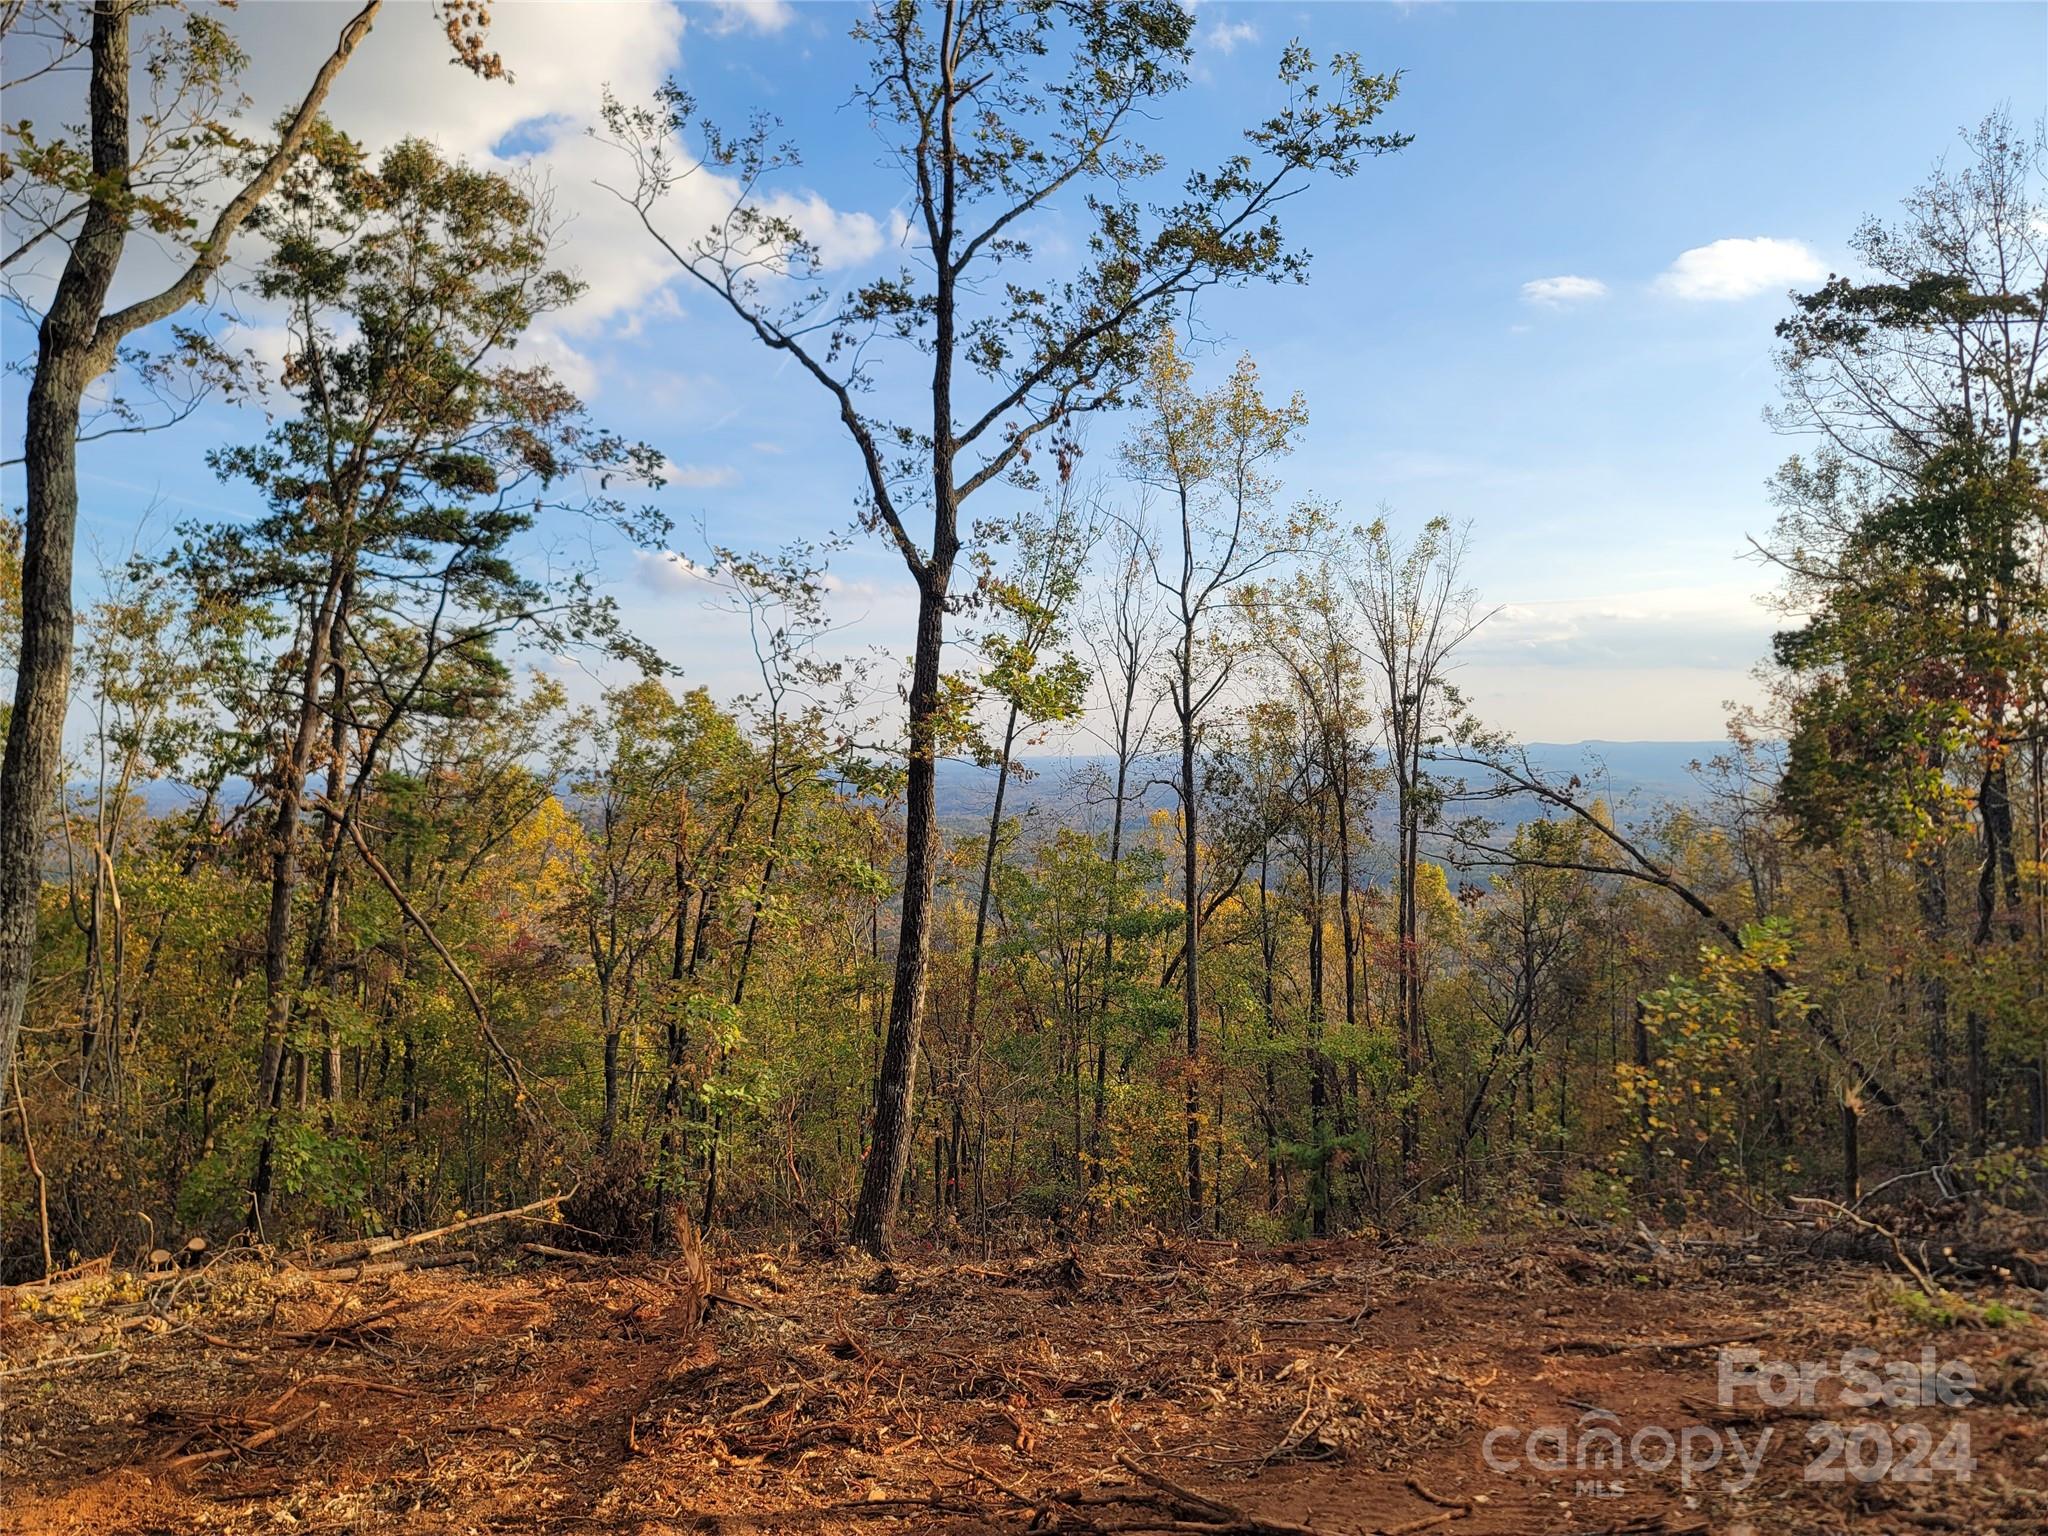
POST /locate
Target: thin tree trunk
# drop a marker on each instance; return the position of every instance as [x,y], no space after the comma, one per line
[1318,1086]
[292,771]
[1404,942]
[988,871]
[1269,947]
[881,1190]
[1344,890]
[1931,892]
[1111,903]
[1997,893]
[1191,991]
[739,986]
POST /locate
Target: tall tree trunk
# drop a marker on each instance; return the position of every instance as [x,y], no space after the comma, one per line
[739,986]
[1411,941]
[970,1054]
[69,357]
[75,344]
[988,872]
[675,1022]
[1191,991]
[1318,1084]
[1931,893]
[292,771]
[1404,943]
[1269,952]
[881,1188]
[1116,851]
[1645,1124]
[608,1122]
[323,953]
[1343,795]
[290,788]
[1997,906]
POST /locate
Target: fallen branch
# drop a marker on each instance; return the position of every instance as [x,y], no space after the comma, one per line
[326,1379]
[1920,1275]
[1176,1508]
[1294,1442]
[67,1281]
[767,1400]
[1414,1486]
[255,1442]
[1709,1412]
[727,1299]
[342,1332]
[374,1246]
[1353,1321]
[393,1266]
[45,1365]
[549,1251]
[1211,1513]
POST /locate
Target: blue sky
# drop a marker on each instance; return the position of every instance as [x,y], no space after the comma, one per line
[1603,435]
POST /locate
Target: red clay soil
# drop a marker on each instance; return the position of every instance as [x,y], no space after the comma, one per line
[1338,1388]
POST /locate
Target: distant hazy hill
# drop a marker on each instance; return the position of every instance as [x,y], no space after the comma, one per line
[1635,773]
[1641,771]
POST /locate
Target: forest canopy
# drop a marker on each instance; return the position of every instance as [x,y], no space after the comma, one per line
[331,912]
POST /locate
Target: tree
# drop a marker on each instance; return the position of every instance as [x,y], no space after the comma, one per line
[803,713]
[416,458]
[1123,633]
[1614,851]
[993,110]
[1416,612]
[627,895]
[90,199]
[802,719]
[1210,456]
[1531,927]
[1032,684]
[1306,627]
[1914,540]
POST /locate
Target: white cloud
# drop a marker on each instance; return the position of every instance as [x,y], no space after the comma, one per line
[1740,269]
[666,570]
[561,57]
[1224,36]
[1607,703]
[1559,292]
[869,592]
[1655,629]
[270,344]
[545,344]
[728,16]
[697,477]
[662,304]
[842,239]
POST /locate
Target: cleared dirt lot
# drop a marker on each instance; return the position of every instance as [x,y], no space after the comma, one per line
[1179,1386]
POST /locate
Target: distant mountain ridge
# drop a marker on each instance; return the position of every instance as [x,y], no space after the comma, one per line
[1637,773]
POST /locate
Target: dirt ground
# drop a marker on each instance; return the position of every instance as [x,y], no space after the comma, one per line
[1338,1388]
